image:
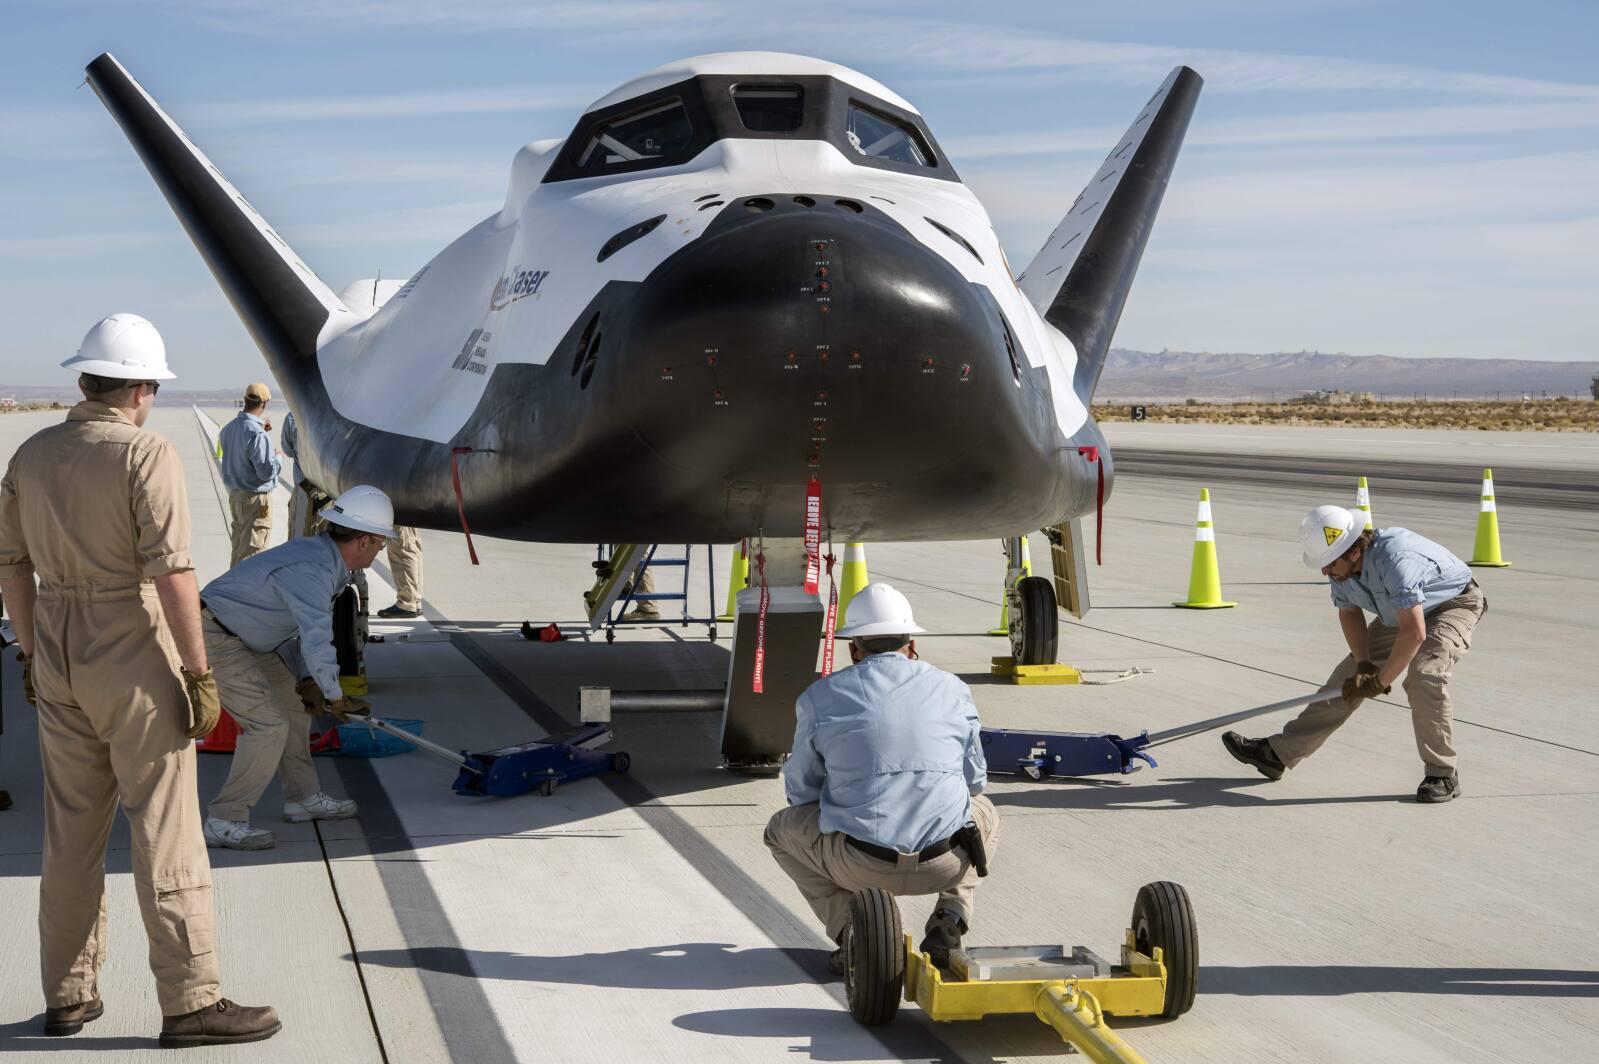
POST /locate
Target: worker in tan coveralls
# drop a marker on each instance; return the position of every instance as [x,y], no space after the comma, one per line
[405,562]
[250,469]
[111,637]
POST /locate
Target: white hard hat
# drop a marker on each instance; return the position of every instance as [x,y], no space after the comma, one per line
[1326,532]
[364,509]
[124,347]
[877,609]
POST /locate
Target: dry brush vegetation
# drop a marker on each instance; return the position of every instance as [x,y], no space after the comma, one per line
[1541,415]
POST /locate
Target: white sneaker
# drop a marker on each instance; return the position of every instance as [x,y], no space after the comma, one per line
[319,806]
[237,835]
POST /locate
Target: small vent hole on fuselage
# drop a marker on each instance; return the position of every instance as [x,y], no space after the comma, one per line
[590,362]
[709,195]
[804,201]
[759,203]
[713,203]
[849,205]
[1010,349]
[628,235]
[590,339]
[962,241]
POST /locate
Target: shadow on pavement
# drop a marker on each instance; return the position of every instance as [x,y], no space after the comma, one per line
[1180,793]
[27,1036]
[683,966]
[832,1033]
[1287,980]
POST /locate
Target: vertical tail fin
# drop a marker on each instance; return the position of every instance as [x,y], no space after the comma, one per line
[1080,279]
[283,304]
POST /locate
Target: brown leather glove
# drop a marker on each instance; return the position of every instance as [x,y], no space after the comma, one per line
[1363,685]
[205,703]
[350,706]
[27,678]
[311,696]
[1364,667]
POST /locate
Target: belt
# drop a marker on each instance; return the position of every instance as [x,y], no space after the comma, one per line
[214,620]
[883,853]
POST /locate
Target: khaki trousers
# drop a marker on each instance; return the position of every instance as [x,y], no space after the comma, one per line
[1426,684]
[300,514]
[251,523]
[274,728]
[112,715]
[405,561]
[828,871]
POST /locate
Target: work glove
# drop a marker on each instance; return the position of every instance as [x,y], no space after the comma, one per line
[205,703]
[350,706]
[1364,685]
[311,696]
[27,678]
[1363,667]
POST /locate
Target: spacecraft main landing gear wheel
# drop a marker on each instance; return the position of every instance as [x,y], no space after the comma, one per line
[874,957]
[1034,621]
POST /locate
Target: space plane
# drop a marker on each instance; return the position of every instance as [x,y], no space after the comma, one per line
[739,276]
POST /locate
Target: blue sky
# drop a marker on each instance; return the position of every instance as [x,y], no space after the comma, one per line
[1377,178]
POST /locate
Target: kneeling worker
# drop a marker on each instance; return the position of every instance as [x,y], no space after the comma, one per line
[884,782]
[272,609]
[1427,606]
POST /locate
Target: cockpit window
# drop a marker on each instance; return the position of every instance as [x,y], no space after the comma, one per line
[880,137]
[768,107]
[662,131]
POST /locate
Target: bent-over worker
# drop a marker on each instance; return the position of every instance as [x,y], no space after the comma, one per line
[250,469]
[884,782]
[114,662]
[1427,605]
[268,625]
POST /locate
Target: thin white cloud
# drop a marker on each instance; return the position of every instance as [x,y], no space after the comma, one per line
[509,99]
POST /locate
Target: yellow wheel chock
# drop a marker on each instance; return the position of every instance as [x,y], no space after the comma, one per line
[1072,991]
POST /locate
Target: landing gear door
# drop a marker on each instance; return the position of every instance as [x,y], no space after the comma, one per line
[1069,556]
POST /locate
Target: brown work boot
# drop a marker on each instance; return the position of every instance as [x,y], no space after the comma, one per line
[219,1024]
[69,1019]
[944,931]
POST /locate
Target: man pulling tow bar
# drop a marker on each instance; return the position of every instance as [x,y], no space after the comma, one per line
[1427,606]
[885,782]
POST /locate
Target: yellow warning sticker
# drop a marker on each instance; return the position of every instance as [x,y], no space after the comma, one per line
[1332,534]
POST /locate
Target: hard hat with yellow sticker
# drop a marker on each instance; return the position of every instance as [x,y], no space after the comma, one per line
[1325,533]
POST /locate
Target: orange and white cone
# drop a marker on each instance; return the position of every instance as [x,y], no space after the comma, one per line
[1363,503]
[1204,576]
[1485,552]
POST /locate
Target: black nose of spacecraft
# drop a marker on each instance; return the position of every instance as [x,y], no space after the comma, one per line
[811,336]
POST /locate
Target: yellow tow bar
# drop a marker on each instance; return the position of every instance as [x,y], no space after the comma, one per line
[1078,1019]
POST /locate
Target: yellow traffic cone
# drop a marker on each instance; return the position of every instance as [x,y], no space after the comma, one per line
[1004,598]
[853,578]
[1486,550]
[1363,502]
[1204,577]
[738,578]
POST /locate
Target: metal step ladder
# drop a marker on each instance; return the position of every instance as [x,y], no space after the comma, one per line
[630,596]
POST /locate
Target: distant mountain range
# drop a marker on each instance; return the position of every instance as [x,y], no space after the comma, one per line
[1204,375]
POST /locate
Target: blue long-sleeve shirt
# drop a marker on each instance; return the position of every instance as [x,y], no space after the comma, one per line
[1400,570]
[289,441]
[282,600]
[248,461]
[890,748]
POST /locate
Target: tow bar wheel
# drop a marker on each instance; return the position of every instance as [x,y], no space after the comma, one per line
[874,957]
[1163,919]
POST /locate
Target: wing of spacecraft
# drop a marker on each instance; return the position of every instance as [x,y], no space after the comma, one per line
[1079,280]
[283,304]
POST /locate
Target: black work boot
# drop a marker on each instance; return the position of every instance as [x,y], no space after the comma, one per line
[69,1019]
[1436,789]
[943,933]
[1256,752]
[219,1024]
[398,612]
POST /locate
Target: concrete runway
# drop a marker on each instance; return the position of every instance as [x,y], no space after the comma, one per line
[640,918]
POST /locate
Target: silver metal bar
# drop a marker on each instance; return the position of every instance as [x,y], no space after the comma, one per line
[419,742]
[1184,731]
[706,701]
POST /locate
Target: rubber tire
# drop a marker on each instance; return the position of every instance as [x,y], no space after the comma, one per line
[547,788]
[1164,918]
[874,957]
[1037,638]
[620,762]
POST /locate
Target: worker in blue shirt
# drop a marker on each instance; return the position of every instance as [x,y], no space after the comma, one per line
[268,627]
[1427,605]
[249,471]
[885,781]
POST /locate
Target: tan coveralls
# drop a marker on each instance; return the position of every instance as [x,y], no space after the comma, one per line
[405,560]
[97,507]
[249,523]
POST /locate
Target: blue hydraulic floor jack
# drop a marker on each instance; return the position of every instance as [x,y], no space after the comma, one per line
[1041,753]
[512,770]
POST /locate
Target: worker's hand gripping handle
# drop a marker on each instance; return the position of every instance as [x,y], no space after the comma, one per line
[971,837]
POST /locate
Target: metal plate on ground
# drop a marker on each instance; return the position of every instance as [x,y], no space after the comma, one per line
[995,963]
